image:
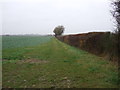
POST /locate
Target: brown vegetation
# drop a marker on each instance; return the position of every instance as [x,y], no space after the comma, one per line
[32,61]
[99,43]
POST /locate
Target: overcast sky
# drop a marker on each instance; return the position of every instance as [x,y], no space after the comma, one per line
[42,16]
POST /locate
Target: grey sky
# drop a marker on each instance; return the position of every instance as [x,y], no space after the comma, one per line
[41,17]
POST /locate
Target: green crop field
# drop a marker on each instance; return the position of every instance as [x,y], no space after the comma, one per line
[23,41]
[45,62]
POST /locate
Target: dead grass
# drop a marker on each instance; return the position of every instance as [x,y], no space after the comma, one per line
[32,61]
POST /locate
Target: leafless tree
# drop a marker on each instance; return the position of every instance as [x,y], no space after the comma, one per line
[116,15]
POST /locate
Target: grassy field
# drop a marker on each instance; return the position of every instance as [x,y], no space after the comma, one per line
[54,64]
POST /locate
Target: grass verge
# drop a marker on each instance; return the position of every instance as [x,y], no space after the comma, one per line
[65,67]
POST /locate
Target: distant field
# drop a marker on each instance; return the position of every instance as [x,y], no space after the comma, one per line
[23,41]
[54,64]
